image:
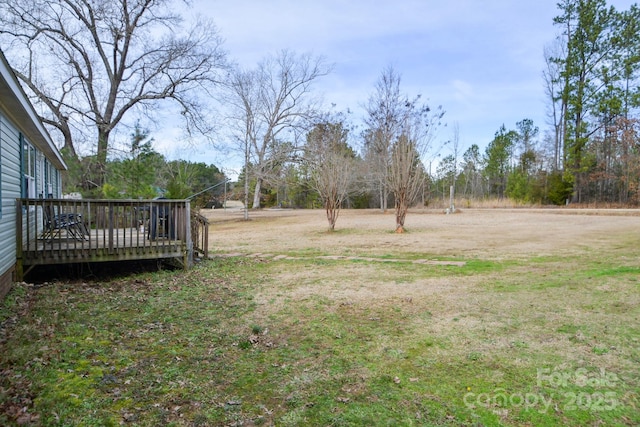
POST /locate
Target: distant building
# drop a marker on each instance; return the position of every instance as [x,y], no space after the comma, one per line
[30,165]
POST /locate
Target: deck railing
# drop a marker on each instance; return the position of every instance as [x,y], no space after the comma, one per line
[60,231]
[200,234]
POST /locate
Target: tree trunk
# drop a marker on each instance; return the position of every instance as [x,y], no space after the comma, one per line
[451,196]
[401,211]
[332,214]
[256,194]
[101,156]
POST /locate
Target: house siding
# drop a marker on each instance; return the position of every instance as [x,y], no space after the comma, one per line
[20,124]
[10,182]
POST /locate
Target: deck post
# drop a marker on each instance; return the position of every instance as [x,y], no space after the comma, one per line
[19,262]
[206,237]
[188,253]
[110,225]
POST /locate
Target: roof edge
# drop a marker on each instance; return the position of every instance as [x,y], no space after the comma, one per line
[35,129]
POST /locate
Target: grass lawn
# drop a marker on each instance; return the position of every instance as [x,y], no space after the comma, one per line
[528,339]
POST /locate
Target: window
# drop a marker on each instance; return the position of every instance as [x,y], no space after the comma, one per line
[41,175]
[52,183]
[46,176]
[28,169]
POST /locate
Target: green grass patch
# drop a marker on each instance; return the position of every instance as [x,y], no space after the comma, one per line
[238,341]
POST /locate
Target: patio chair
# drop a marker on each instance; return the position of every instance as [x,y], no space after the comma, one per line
[161,223]
[54,224]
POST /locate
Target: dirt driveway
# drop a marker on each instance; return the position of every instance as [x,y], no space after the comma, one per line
[484,233]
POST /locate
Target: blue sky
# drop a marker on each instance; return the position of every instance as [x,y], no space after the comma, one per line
[481,60]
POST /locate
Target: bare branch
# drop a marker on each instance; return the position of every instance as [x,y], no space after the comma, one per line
[399,134]
[98,61]
[271,106]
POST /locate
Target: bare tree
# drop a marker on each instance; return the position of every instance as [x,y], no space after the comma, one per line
[384,111]
[455,148]
[244,103]
[271,106]
[400,132]
[406,171]
[552,77]
[93,62]
[332,166]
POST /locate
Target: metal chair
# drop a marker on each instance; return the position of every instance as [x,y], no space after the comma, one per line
[71,223]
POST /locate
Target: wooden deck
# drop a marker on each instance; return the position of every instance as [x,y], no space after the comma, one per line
[60,231]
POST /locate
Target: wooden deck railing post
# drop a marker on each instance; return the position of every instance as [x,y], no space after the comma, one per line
[110,227]
[19,261]
[199,235]
[186,226]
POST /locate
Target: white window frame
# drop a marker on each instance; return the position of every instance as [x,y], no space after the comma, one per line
[29,169]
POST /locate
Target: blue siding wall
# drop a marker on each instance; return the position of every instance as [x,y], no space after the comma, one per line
[10,180]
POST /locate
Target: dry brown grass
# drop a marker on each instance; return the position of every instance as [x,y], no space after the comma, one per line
[486,233]
[476,317]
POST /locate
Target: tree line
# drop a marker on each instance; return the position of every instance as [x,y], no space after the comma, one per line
[590,152]
[592,84]
[97,66]
[138,171]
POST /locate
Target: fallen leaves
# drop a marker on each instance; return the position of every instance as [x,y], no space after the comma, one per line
[27,418]
[260,339]
[20,406]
